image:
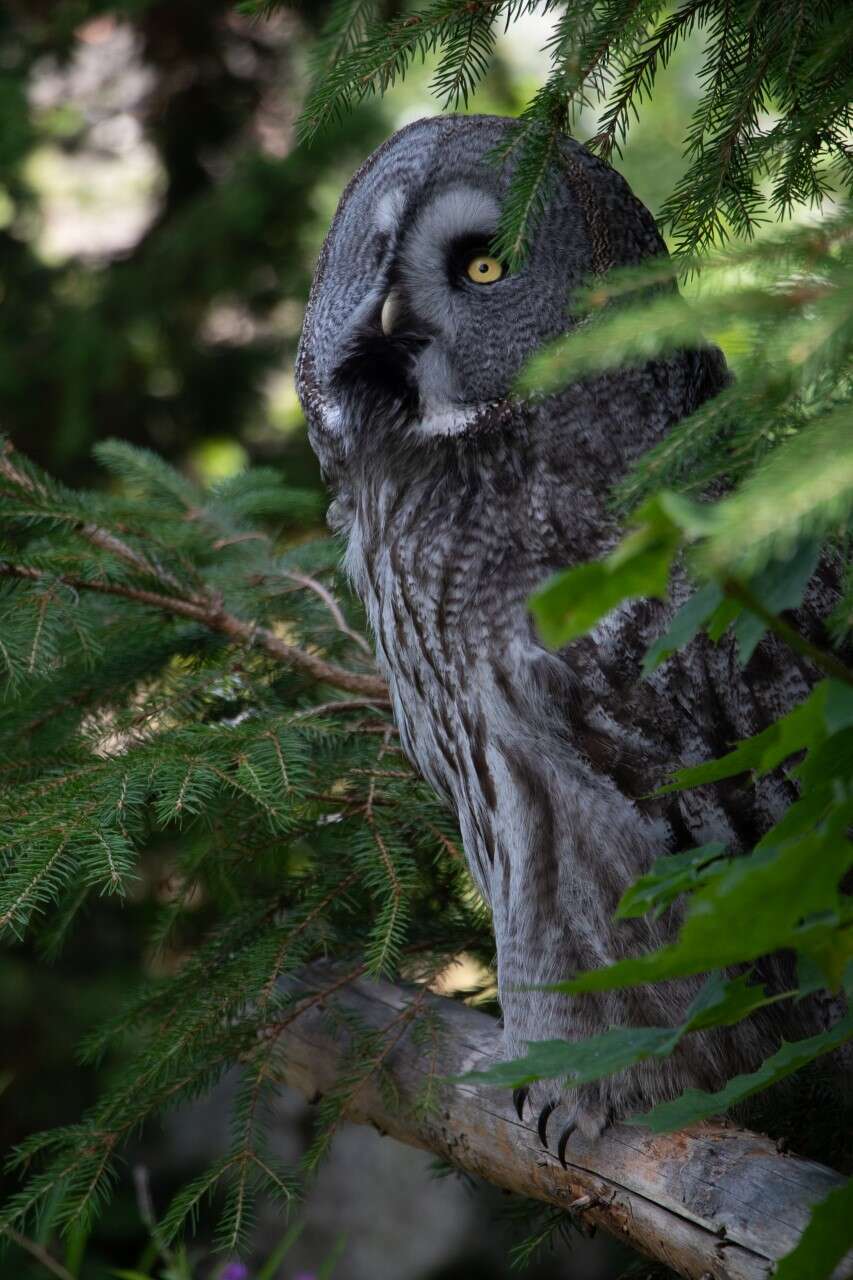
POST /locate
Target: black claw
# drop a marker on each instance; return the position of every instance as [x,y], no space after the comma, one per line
[561,1145]
[519,1097]
[543,1122]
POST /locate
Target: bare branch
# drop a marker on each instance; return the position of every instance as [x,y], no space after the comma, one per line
[40,1254]
[331,604]
[711,1201]
[340,704]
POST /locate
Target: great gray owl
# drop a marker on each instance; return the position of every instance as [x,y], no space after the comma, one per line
[456,499]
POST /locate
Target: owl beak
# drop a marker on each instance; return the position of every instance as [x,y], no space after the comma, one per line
[390,313]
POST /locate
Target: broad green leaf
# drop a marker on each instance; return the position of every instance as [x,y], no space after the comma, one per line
[721,1002]
[726,612]
[778,587]
[573,601]
[833,758]
[684,626]
[671,875]
[762,897]
[803,727]
[838,711]
[695,1104]
[584,1060]
[828,943]
[825,1240]
[803,815]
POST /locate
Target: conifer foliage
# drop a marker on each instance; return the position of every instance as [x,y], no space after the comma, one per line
[168,669]
[760,57]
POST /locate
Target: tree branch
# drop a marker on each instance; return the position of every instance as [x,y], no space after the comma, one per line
[712,1202]
[211,614]
[201,608]
[40,1254]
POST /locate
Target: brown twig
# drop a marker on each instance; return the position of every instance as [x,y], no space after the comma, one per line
[211,614]
[303,580]
[40,1254]
[93,533]
[340,704]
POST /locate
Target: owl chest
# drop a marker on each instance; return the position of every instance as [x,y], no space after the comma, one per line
[427,648]
[450,633]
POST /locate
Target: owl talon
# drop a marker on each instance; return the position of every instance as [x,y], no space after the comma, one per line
[542,1126]
[561,1145]
[519,1097]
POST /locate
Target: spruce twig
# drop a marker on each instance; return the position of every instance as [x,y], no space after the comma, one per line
[211,614]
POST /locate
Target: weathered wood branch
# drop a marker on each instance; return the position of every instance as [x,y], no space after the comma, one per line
[712,1202]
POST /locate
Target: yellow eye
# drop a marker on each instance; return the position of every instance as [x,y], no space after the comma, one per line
[484,270]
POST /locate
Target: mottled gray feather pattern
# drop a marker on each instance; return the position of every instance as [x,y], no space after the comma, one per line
[456,500]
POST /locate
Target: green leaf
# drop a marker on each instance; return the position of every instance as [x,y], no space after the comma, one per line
[832,759]
[762,897]
[584,1060]
[802,816]
[684,626]
[803,727]
[825,1240]
[828,943]
[724,1001]
[779,586]
[695,1104]
[721,1002]
[573,601]
[838,710]
[671,875]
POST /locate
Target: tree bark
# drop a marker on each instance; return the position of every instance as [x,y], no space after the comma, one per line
[712,1202]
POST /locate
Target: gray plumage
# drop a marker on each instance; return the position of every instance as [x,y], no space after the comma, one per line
[456,500]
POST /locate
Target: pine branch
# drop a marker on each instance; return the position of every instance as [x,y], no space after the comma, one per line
[210,613]
[93,533]
[304,580]
[778,52]
[40,1254]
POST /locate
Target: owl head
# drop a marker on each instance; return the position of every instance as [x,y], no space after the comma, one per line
[413,327]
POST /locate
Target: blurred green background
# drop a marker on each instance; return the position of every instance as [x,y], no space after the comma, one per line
[158,230]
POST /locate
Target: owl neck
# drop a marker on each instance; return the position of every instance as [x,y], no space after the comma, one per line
[524,490]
